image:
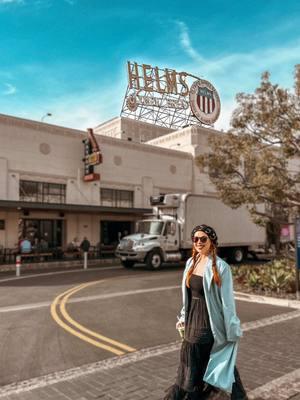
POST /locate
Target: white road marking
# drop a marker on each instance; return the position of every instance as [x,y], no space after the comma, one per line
[281,388]
[275,319]
[24,307]
[32,306]
[60,376]
[274,301]
[56,273]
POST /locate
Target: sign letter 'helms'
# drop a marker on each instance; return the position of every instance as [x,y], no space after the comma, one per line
[169,98]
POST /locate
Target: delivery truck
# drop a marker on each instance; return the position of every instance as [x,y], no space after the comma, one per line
[164,235]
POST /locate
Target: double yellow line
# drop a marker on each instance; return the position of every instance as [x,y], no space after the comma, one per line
[76,329]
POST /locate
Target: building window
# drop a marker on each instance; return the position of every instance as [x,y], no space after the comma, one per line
[2,224]
[116,198]
[43,233]
[42,192]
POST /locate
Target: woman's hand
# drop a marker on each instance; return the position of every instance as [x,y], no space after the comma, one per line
[179,324]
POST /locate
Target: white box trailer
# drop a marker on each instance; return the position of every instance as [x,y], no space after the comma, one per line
[165,235]
[234,227]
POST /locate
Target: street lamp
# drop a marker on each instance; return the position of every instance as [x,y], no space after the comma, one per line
[45,116]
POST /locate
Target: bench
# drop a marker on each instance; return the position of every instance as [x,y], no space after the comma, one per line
[40,256]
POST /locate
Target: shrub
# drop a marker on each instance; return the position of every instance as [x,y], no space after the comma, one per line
[277,275]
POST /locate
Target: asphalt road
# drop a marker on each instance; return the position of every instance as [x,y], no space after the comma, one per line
[43,331]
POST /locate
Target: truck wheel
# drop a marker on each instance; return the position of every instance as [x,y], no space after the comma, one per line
[127,264]
[237,255]
[154,260]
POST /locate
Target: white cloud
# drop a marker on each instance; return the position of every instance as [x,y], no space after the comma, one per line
[186,44]
[223,121]
[239,72]
[78,110]
[10,89]
[90,107]
[83,104]
[11,1]
[258,60]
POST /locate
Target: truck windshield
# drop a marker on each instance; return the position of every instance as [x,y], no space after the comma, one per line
[150,227]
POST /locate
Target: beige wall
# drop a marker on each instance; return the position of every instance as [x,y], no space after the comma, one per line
[41,152]
[129,165]
[126,128]
[3,236]
[192,140]
[9,236]
[3,177]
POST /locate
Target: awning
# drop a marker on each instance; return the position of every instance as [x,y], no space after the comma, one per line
[34,206]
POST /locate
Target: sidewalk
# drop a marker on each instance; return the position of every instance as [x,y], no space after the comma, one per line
[268,363]
[9,270]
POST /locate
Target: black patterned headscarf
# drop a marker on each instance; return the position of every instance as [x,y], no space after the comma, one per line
[211,233]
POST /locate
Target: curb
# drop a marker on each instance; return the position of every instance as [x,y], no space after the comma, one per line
[267,300]
[9,269]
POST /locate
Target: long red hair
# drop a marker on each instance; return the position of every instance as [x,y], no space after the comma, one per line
[216,276]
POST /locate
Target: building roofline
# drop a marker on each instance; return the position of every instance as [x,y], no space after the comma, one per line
[189,130]
[148,124]
[122,118]
[60,130]
[29,123]
[107,122]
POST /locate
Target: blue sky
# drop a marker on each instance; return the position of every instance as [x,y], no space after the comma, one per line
[68,57]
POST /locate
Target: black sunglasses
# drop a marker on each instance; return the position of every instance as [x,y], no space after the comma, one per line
[203,239]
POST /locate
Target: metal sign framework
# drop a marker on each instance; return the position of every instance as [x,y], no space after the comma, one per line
[163,98]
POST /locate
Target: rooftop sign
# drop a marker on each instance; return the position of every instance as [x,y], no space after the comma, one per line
[169,98]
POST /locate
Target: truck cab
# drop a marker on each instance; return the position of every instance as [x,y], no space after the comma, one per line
[152,243]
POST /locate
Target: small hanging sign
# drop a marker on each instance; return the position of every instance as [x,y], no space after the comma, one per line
[92,157]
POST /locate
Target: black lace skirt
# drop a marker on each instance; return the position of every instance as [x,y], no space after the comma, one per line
[204,391]
[194,357]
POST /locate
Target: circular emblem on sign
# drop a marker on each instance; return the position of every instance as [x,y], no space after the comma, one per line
[205,102]
[131,102]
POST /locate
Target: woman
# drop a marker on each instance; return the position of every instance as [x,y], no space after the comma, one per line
[212,329]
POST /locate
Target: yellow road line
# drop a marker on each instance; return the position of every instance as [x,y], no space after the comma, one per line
[86,330]
[61,301]
[60,322]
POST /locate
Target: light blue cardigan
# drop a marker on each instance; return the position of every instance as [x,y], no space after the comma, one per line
[224,323]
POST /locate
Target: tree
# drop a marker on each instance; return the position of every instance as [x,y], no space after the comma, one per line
[258,160]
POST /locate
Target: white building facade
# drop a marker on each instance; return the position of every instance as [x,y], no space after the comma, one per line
[43,194]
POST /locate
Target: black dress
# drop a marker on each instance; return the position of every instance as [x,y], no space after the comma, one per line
[195,353]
